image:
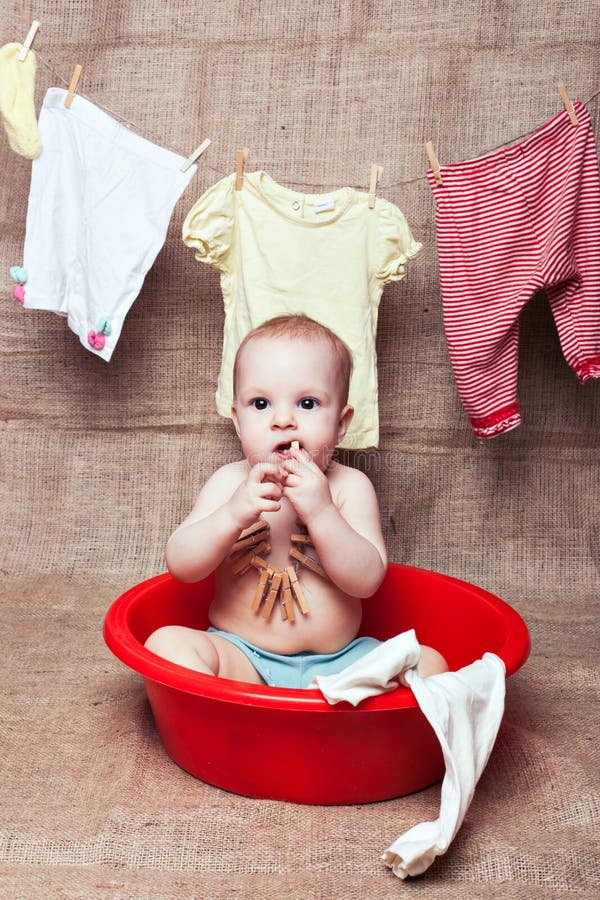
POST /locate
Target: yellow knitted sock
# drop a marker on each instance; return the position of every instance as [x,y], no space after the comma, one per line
[17,80]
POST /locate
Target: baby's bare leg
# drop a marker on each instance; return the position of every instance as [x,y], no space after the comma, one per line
[431,662]
[202,652]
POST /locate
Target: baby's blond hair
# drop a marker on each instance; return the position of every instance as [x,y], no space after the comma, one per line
[297,325]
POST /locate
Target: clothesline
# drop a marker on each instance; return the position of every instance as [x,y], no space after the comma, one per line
[320,185]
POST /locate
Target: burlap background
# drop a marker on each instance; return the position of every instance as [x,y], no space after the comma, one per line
[99,462]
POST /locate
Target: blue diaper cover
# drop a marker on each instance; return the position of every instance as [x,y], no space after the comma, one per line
[297,670]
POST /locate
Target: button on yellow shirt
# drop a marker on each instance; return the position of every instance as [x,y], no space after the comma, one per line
[327,256]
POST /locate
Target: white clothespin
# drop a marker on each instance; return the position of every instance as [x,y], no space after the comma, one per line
[28,41]
[435,166]
[73,86]
[241,160]
[567,102]
[195,155]
[376,173]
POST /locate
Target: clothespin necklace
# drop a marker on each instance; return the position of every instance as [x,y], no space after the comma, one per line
[274,585]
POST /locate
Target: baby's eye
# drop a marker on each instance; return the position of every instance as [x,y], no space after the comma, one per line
[260,403]
[308,403]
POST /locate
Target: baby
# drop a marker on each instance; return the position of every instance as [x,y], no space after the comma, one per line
[287,603]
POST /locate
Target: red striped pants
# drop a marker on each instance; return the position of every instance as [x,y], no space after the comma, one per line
[508,224]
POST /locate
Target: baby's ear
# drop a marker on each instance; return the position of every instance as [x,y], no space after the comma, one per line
[346,416]
[236,423]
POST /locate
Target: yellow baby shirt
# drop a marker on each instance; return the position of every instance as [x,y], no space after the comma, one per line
[327,256]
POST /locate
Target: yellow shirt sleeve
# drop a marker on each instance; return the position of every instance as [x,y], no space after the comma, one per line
[395,245]
[208,227]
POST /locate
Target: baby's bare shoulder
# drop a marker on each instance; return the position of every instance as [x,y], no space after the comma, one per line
[234,470]
[221,485]
[231,474]
[344,480]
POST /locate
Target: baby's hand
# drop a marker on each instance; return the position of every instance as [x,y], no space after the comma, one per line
[259,493]
[306,486]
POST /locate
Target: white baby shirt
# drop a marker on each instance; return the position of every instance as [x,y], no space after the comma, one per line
[327,256]
[464,708]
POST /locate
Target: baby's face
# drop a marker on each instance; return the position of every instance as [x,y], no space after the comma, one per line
[288,389]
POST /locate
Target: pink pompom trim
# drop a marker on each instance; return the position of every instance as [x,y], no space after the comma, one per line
[95,340]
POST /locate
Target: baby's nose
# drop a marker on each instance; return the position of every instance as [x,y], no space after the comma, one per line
[283,416]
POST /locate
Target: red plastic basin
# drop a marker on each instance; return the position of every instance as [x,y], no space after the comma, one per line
[286,744]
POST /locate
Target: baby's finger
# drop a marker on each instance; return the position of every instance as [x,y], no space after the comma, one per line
[299,461]
[267,505]
[290,464]
[293,481]
[304,455]
[266,470]
[270,489]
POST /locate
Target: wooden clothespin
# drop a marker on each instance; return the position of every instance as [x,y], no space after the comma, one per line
[567,102]
[435,166]
[241,160]
[243,563]
[259,563]
[197,153]
[307,561]
[376,173]
[73,86]
[259,525]
[301,538]
[251,541]
[297,590]
[265,576]
[287,600]
[272,595]
[28,41]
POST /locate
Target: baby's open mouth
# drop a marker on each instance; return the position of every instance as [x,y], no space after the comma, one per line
[285,446]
